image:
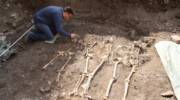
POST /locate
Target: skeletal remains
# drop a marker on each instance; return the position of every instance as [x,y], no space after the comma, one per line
[128,79]
[52,60]
[113,79]
[85,72]
[127,55]
[90,76]
[63,67]
[130,57]
[127,82]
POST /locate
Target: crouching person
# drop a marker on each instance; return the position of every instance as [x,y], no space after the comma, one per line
[49,24]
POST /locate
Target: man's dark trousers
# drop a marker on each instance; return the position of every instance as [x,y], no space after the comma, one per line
[42,32]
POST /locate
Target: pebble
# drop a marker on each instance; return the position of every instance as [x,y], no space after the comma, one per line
[14,15]
[63,94]
[45,89]
[167,94]
[2,38]
[175,38]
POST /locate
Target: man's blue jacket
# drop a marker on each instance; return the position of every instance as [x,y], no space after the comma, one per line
[51,16]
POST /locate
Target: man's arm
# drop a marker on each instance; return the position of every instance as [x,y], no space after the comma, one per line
[58,25]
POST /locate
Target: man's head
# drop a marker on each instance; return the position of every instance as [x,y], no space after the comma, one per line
[68,13]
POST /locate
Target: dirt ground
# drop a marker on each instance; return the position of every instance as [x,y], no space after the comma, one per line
[22,77]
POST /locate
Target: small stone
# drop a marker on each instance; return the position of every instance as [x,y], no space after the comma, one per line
[109,32]
[14,15]
[25,11]
[19,5]
[149,41]
[2,38]
[1,65]
[63,94]
[71,53]
[167,94]
[29,84]
[144,58]
[95,85]
[135,87]
[14,24]
[5,30]
[175,38]
[45,89]
[110,40]
[49,82]
[166,1]
[7,5]
[132,34]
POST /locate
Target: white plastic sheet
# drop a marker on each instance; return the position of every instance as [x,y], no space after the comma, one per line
[169,53]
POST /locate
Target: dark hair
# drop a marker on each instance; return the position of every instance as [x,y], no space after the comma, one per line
[69,10]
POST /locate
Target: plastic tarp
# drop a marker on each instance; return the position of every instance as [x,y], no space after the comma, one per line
[169,53]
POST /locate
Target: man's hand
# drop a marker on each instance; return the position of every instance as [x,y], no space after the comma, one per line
[74,37]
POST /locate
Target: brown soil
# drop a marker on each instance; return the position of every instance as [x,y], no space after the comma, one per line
[22,77]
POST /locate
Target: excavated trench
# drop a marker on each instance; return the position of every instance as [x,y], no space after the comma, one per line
[22,77]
